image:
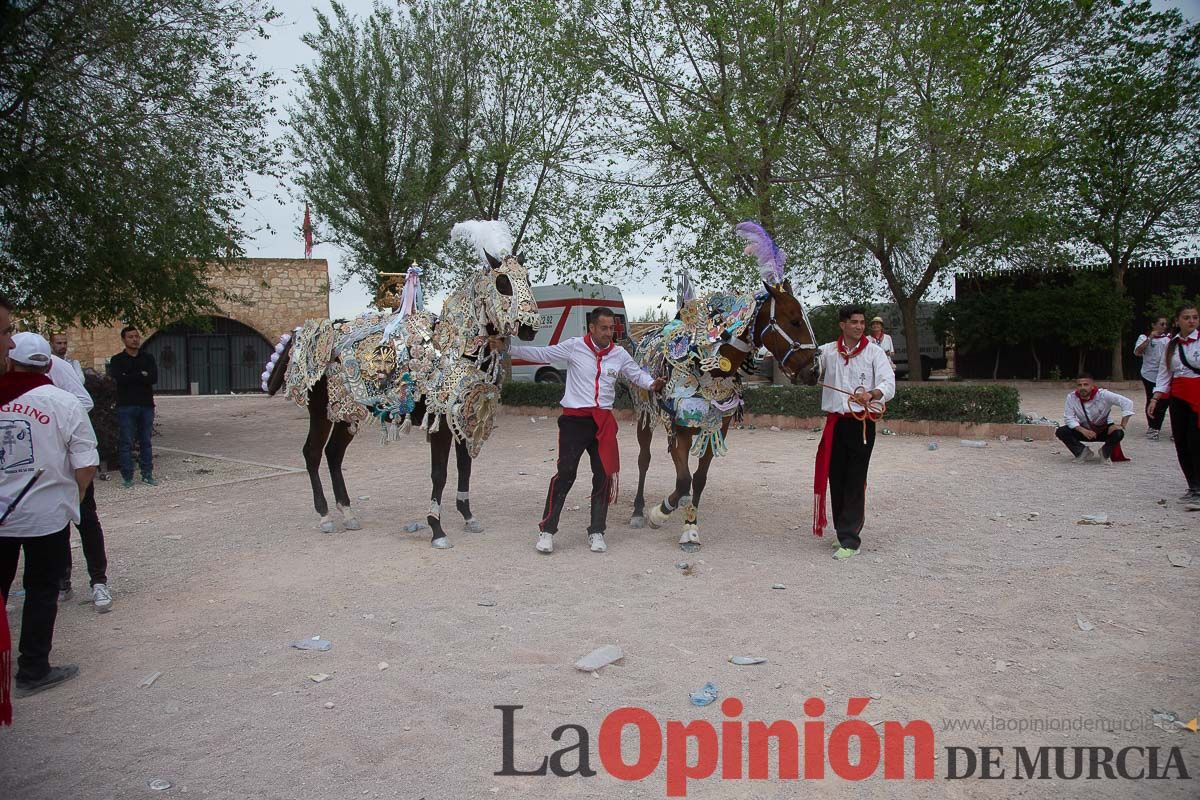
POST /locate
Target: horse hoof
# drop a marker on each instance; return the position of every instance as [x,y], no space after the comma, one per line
[657,518]
[441,543]
[353,524]
[690,547]
[637,521]
[473,526]
[689,542]
[328,526]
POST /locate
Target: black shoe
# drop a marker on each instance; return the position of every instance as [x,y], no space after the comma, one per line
[53,678]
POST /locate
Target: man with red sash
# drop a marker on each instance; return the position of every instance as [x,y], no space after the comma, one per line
[1179,385]
[862,377]
[587,423]
[1085,418]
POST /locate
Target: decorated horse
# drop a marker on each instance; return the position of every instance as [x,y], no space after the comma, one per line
[407,368]
[700,353]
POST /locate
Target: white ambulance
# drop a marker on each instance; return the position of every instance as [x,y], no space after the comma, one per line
[565,312]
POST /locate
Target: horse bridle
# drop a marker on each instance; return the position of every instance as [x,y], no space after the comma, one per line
[793,346]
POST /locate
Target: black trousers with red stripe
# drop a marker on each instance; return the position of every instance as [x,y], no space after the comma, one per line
[576,436]
[848,464]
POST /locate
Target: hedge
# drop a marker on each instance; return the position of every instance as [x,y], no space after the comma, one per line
[940,403]
[103,390]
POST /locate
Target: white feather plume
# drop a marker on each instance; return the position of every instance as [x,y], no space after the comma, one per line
[486,236]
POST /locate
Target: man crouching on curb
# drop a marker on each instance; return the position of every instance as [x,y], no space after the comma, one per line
[587,422]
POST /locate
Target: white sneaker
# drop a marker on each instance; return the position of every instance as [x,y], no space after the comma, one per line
[1106,461]
[545,543]
[596,542]
[1152,435]
[102,598]
[1089,454]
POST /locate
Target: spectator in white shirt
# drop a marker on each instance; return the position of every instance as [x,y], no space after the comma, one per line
[587,423]
[47,459]
[884,340]
[1086,418]
[58,346]
[1152,348]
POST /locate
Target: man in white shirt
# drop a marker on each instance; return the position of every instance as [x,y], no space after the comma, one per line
[1152,348]
[47,458]
[58,346]
[1085,418]
[91,533]
[587,423]
[863,378]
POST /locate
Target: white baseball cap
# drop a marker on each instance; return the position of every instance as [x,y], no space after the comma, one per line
[30,349]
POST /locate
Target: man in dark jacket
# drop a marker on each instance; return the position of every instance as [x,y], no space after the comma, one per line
[135,373]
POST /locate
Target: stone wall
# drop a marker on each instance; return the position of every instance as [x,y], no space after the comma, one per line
[277,295]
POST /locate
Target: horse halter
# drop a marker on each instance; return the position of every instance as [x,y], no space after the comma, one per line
[793,346]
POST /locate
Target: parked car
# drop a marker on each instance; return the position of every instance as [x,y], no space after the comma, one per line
[565,311]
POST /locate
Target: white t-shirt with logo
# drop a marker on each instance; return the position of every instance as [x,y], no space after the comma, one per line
[45,428]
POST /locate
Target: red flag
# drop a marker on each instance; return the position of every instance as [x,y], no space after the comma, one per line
[308,237]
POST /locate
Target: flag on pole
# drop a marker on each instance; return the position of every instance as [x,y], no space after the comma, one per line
[308,236]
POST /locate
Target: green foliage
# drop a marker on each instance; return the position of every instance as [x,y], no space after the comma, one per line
[127,131]
[548,395]
[950,403]
[103,390]
[412,120]
[946,403]
[1168,303]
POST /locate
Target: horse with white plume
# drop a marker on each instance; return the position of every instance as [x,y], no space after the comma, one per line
[410,368]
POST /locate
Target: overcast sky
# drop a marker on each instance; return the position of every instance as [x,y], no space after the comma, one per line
[282,54]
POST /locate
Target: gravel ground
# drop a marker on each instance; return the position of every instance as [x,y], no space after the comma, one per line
[963,605]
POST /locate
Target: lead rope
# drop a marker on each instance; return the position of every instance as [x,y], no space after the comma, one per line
[874,410]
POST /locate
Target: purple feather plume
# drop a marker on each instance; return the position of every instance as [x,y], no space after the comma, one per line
[760,245]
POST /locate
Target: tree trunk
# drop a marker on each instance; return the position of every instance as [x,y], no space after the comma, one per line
[912,339]
[1037,363]
[1118,360]
[1079,364]
[996,365]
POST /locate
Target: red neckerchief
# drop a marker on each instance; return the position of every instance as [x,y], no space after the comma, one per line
[878,339]
[1090,397]
[13,384]
[858,348]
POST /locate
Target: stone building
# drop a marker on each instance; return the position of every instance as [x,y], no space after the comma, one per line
[228,352]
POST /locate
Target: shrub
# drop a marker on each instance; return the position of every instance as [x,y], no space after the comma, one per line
[941,403]
[103,390]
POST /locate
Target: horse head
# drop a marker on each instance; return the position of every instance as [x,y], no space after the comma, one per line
[781,325]
[506,297]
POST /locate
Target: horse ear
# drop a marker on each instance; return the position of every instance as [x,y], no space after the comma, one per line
[521,259]
[491,259]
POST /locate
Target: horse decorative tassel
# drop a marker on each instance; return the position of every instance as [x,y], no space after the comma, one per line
[700,353]
[410,367]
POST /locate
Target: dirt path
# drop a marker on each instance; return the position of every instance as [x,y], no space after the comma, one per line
[215,572]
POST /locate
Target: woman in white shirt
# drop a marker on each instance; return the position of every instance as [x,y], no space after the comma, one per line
[1151,347]
[884,340]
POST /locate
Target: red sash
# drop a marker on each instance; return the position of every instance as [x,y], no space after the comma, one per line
[606,437]
[1187,390]
[821,473]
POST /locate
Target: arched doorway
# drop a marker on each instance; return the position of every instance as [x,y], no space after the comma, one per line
[224,356]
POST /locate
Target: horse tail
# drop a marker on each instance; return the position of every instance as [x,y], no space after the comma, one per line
[276,367]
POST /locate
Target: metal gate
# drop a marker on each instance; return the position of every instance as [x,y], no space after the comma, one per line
[219,356]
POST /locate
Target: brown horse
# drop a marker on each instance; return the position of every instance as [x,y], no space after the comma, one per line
[780,324]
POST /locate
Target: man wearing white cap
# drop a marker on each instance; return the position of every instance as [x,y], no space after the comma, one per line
[47,459]
[91,534]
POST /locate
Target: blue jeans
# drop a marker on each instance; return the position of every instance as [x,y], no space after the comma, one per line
[135,421]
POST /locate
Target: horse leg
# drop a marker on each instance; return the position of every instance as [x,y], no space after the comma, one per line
[681,443]
[463,500]
[690,540]
[335,452]
[645,436]
[318,433]
[439,452]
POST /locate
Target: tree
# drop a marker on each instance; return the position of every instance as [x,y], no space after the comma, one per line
[127,130]
[410,121]
[704,92]
[936,136]
[1130,168]
[372,134]
[1088,314]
